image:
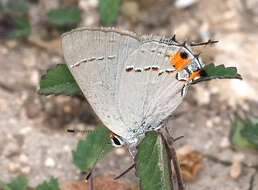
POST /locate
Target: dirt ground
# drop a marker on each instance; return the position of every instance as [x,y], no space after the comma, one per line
[33,140]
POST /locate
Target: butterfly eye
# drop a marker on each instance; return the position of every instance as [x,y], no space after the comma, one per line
[183,55]
[117,141]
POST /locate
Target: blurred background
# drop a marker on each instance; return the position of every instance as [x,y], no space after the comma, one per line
[214,153]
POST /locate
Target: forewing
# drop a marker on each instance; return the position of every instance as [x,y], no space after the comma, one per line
[96,58]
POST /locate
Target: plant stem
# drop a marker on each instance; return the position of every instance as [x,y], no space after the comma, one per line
[169,142]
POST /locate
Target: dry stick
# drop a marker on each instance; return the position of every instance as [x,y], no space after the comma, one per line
[91,184]
[177,168]
[126,171]
[169,162]
[169,141]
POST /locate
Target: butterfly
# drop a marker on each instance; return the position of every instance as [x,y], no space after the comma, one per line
[133,82]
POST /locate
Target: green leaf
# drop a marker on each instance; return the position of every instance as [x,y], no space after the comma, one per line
[250,129]
[152,165]
[109,10]
[64,17]
[238,139]
[59,81]
[250,132]
[89,151]
[3,186]
[51,185]
[218,72]
[19,183]
[21,28]
[11,6]
[253,120]
[1,7]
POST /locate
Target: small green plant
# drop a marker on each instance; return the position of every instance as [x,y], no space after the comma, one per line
[14,6]
[21,183]
[95,146]
[245,131]
[109,11]
[59,81]
[21,28]
[52,184]
[11,25]
[64,19]
[152,163]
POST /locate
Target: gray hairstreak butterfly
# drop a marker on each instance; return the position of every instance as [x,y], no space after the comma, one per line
[133,82]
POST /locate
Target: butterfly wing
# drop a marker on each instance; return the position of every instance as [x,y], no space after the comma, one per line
[151,92]
[96,58]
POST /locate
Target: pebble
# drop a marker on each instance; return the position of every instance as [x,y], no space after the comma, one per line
[66,148]
[14,167]
[182,30]
[11,149]
[23,159]
[49,162]
[225,143]
[25,170]
[11,43]
[88,4]
[236,168]
[25,130]
[209,124]
[214,90]
[56,60]
[216,119]
[181,4]
[3,50]
[130,8]
[208,145]
[120,151]
[30,60]
[202,96]
[187,149]
[243,89]
[34,77]
[204,31]
[3,104]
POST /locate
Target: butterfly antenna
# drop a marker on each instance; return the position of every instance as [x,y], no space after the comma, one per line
[209,42]
[79,131]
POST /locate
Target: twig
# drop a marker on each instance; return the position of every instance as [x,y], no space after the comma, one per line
[169,162]
[91,184]
[169,142]
[126,171]
[176,167]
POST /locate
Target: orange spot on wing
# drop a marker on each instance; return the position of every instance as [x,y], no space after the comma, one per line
[195,74]
[178,61]
[129,70]
[112,134]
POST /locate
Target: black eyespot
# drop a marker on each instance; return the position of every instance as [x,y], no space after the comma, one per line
[203,73]
[116,141]
[183,55]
